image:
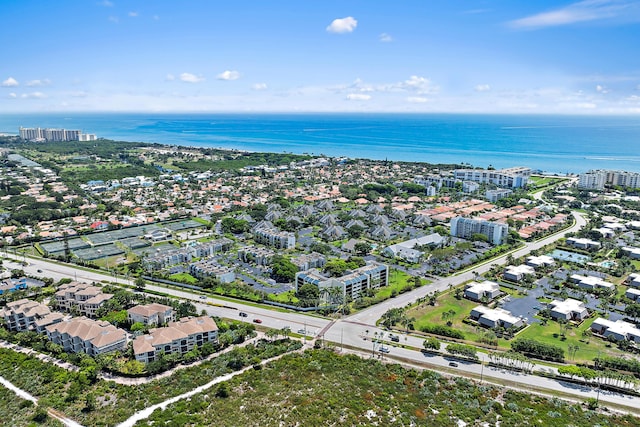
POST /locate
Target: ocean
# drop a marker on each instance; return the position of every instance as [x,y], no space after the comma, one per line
[555,144]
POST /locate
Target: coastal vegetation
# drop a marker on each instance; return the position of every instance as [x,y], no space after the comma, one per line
[97,402]
[312,389]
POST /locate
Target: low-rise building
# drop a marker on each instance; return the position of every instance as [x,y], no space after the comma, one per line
[631,252]
[27,315]
[495,317]
[210,268]
[633,294]
[569,309]
[275,238]
[495,195]
[352,284]
[257,255]
[591,283]
[17,284]
[83,335]
[516,273]
[408,251]
[308,261]
[634,280]
[583,243]
[83,298]
[540,261]
[177,337]
[151,314]
[482,291]
[618,330]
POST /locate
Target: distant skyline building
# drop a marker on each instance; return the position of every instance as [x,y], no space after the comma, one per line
[515,177]
[55,135]
[467,227]
[597,179]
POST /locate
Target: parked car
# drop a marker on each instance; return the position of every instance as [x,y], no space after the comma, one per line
[454,364]
[242,314]
[384,349]
[257,321]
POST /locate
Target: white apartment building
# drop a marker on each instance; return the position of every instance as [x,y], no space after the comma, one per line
[467,227]
[515,177]
[275,238]
[597,179]
[54,135]
[353,284]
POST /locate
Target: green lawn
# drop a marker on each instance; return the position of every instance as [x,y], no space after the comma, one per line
[426,314]
[589,347]
[398,280]
[184,278]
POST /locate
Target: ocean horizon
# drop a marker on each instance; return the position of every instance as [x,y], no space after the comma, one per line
[553,144]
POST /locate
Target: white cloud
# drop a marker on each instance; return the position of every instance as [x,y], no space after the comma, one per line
[106,3]
[385,38]
[79,94]
[228,75]
[13,95]
[483,88]
[10,82]
[44,82]
[417,99]
[601,89]
[342,25]
[114,19]
[33,95]
[170,77]
[420,85]
[191,78]
[259,86]
[358,97]
[133,14]
[583,11]
[156,18]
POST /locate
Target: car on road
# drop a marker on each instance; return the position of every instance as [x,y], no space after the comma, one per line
[257,321]
[453,364]
[384,350]
[39,271]
[302,331]
[394,338]
[203,297]
[242,314]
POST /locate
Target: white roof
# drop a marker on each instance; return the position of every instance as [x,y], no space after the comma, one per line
[520,269]
[568,306]
[480,287]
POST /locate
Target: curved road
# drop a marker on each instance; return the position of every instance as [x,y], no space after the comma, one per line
[356,331]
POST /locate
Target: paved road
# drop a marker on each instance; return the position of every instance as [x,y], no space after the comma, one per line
[372,314]
[356,330]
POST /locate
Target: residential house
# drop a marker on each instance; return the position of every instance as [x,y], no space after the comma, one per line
[482,291]
[569,309]
[495,317]
[516,273]
[618,330]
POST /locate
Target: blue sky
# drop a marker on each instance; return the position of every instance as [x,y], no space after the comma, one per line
[491,56]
